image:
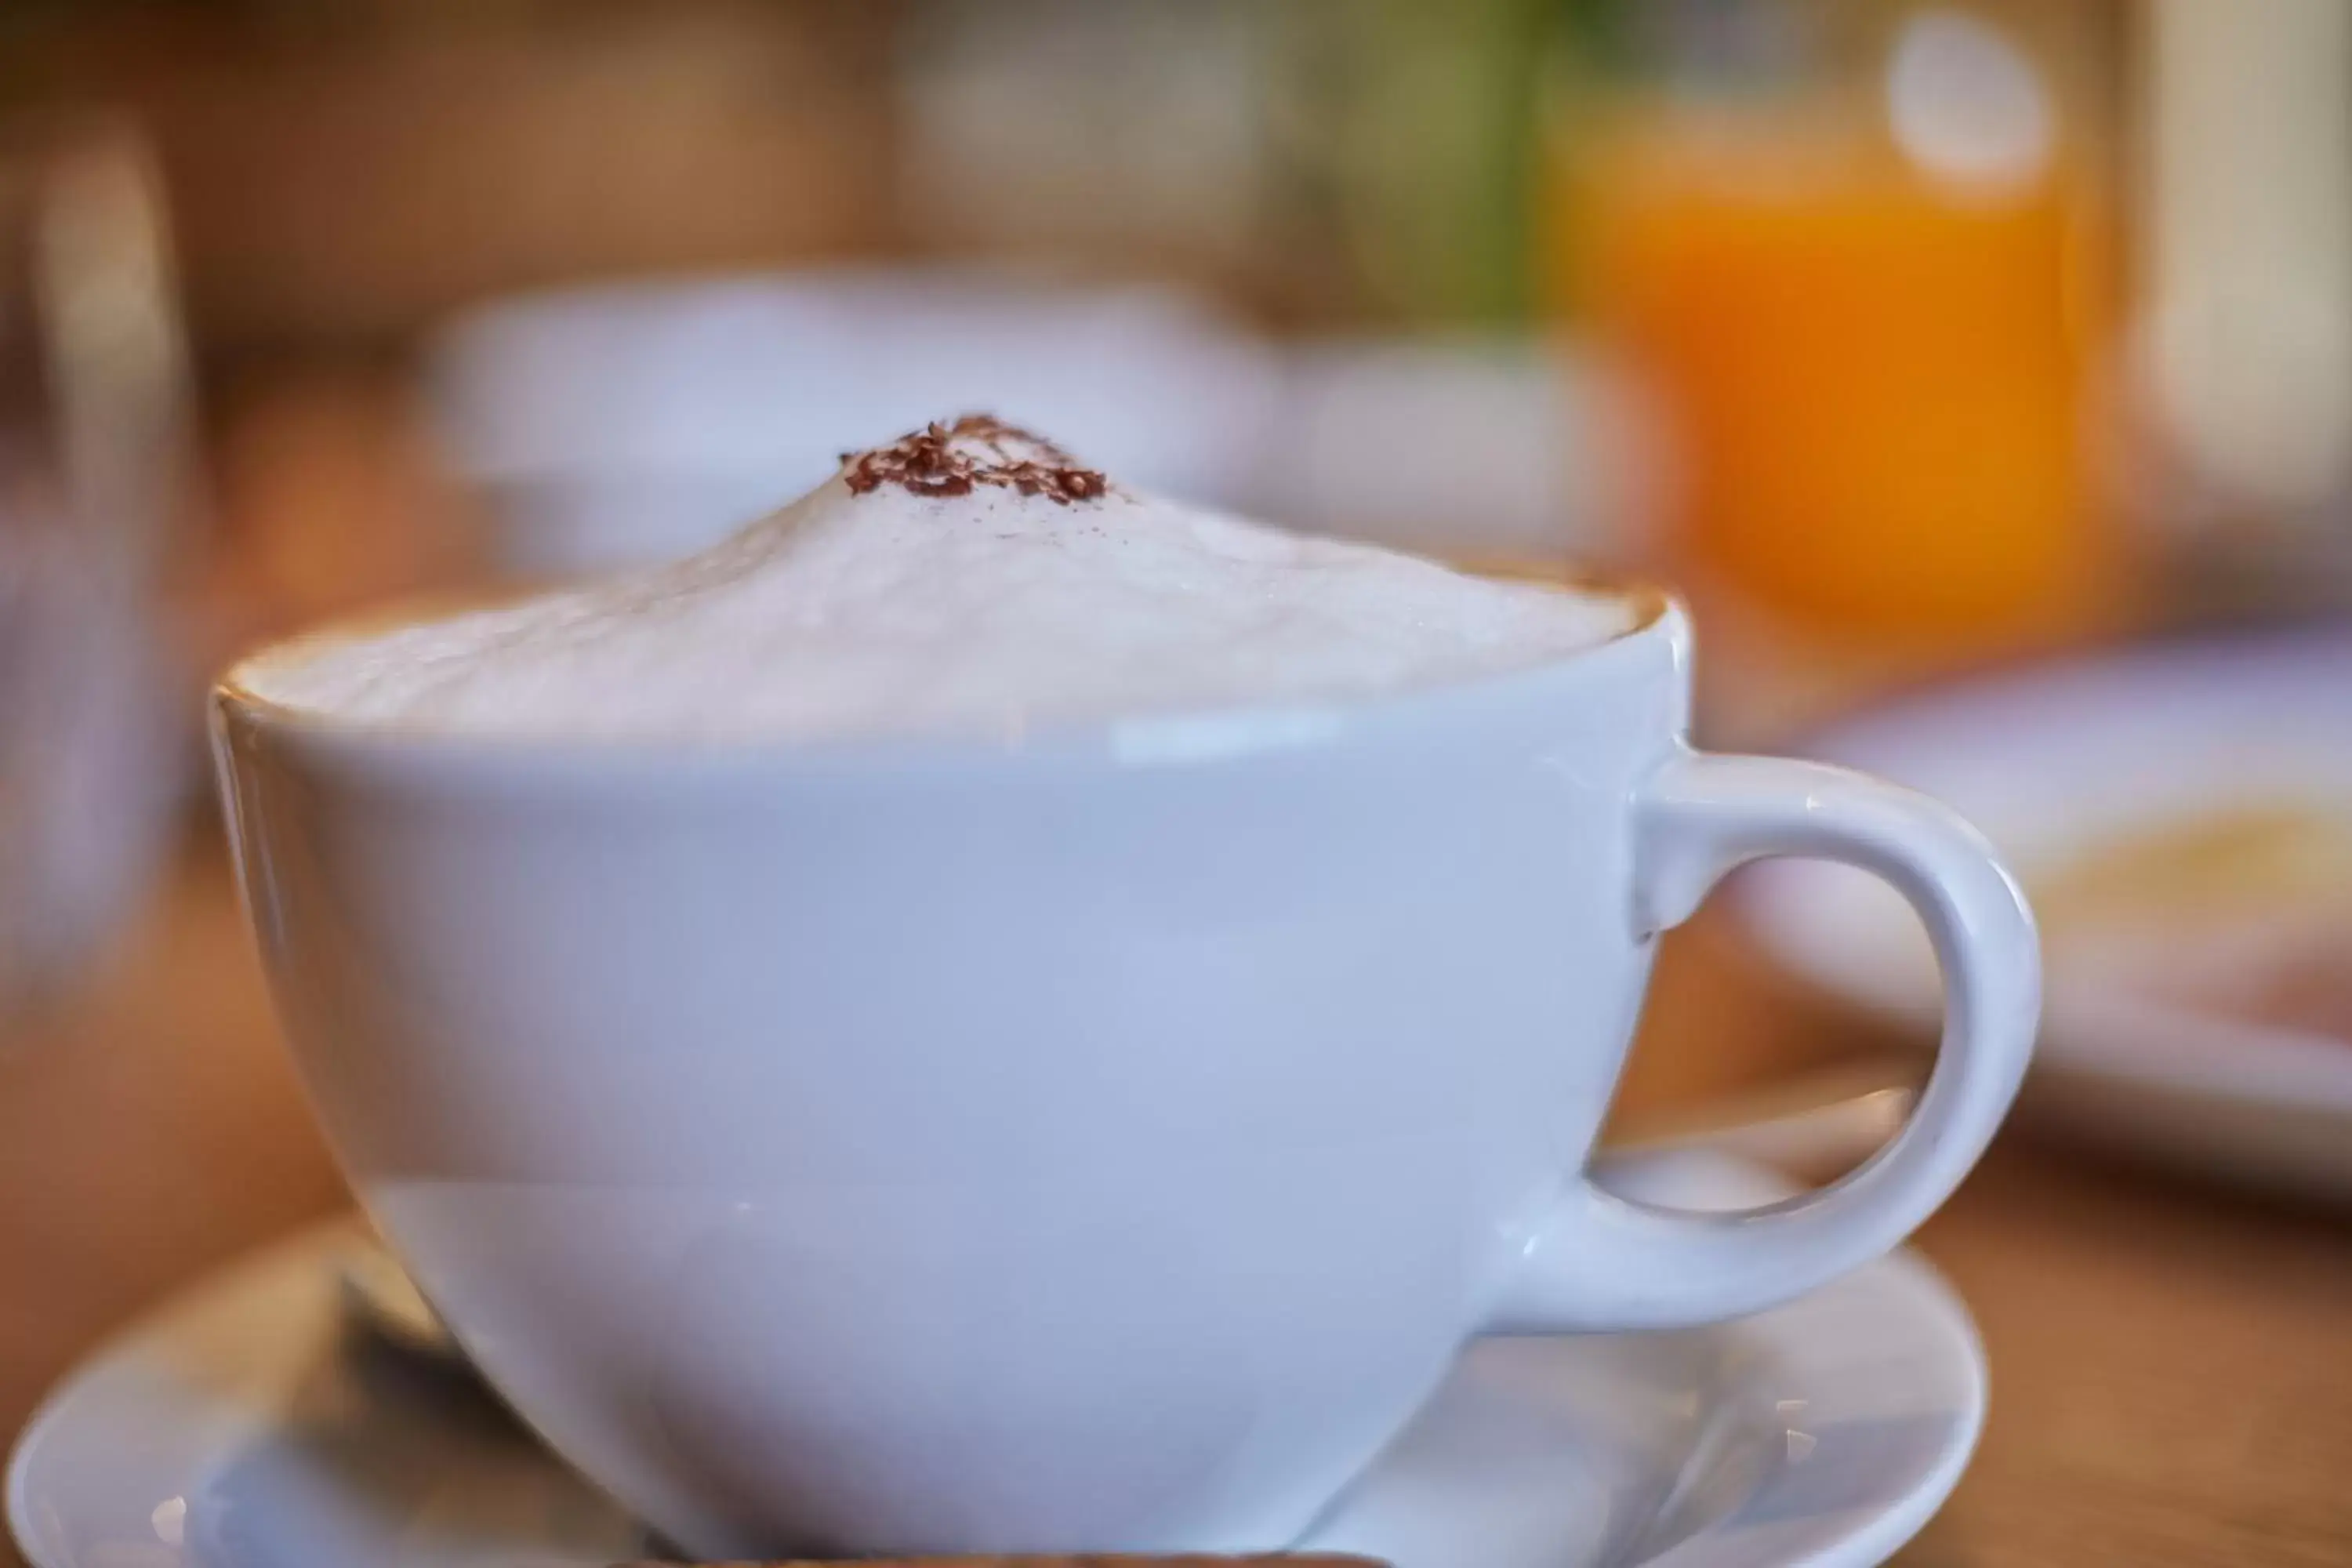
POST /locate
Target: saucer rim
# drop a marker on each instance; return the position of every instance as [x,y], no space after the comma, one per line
[1861,1533]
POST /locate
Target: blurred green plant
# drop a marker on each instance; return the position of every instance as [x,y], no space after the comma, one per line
[1405,148]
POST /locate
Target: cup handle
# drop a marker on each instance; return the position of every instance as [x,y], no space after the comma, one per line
[1599,1261]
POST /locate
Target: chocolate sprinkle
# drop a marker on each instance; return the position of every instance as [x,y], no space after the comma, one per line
[942,461]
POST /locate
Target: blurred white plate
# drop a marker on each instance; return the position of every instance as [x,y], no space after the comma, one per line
[2052,761]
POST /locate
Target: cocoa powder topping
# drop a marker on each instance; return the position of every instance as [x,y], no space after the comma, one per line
[977,449]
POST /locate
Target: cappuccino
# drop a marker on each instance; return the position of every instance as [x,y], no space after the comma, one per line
[971,579]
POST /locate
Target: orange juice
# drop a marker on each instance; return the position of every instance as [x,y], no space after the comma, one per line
[1876,384]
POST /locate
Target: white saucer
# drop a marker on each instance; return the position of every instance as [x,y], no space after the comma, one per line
[2049,761]
[241,1427]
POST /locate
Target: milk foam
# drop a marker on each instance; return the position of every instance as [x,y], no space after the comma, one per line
[866,608]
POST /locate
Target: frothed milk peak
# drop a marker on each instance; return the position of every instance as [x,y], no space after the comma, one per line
[969,579]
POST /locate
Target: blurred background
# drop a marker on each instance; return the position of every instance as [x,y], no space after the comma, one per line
[1898,336]
[1910,341]
[1922,331]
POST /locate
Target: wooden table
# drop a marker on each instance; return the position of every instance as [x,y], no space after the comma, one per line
[2172,1366]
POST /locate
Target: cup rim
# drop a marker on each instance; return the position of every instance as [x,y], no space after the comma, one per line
[1167,736]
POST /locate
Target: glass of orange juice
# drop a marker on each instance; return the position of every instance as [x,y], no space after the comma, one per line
[1855,252]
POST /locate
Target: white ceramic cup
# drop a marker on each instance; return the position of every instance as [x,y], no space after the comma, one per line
[1102,1141]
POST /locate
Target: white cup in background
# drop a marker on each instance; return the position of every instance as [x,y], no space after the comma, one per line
[620,424]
